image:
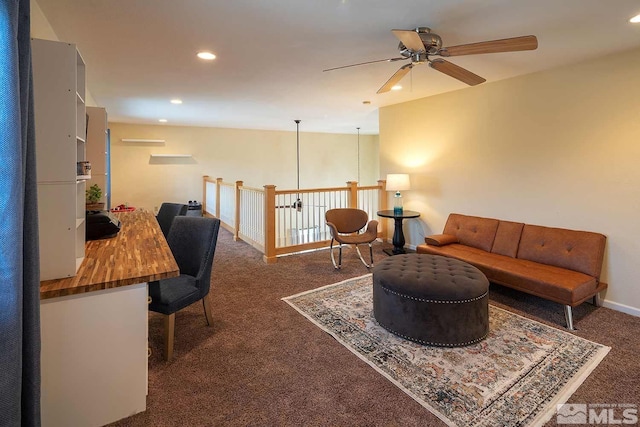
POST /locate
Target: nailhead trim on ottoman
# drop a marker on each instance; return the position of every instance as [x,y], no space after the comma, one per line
[431,299]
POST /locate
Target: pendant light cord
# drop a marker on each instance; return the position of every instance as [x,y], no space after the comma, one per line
[298,204]
[358,156]
[298,150]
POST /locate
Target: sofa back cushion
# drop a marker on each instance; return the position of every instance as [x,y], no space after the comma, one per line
[472,231]
[507,238]
[581,251]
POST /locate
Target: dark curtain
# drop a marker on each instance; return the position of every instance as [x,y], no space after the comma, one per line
[19,258]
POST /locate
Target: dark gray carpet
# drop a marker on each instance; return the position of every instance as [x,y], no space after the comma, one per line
[263,364]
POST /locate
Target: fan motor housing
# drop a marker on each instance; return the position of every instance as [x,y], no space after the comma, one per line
[432,43]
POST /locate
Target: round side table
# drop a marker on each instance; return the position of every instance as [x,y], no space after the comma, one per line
[398,235]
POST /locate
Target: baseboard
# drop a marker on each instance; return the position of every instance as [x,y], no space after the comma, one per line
[408,246]
[621,307]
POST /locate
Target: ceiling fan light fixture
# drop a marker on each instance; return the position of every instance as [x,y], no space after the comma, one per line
[419,44]
[208,56]
[635,19]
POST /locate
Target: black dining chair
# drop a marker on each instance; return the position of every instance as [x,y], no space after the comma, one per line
[193,243]
[166,214]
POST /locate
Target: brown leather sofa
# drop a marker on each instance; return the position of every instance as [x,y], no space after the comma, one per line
[554,263]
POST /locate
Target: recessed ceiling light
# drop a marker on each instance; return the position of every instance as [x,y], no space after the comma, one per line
[396,87]
[176,101]
[206,55]
[635,19]
[162,120]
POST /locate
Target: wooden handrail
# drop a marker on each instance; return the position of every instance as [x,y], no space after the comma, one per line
[270,224]
[352,198]
[218,182]
[236,233]
[382,202]
[205,179]
[349,194]
[244,187]
[369,187]
[311,190]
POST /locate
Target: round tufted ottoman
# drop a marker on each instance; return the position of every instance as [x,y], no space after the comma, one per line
[431,299]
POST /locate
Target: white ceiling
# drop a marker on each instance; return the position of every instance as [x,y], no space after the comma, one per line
[271,53]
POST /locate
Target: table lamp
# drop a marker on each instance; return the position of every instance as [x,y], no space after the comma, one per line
[397,182]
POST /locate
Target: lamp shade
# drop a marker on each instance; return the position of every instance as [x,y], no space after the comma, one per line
[398,182]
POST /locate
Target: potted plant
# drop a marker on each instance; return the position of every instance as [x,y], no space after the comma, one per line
[92,198]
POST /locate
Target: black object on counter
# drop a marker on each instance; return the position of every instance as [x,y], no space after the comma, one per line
[194,208]
[101,225]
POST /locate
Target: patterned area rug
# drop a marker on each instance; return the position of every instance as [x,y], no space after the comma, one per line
[515,377]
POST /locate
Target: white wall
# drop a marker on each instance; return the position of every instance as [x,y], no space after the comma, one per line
[256,157]
[556,148]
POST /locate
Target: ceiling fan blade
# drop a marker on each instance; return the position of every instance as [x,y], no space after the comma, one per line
[397,76]
[513,44]
[368,62]
[410,39]
[456,72]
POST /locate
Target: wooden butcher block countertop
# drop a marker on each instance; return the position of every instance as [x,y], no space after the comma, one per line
[138,253]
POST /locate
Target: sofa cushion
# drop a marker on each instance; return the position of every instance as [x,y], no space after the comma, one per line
[472,231]
[507,238]
[547,281]
[477,257]
[576,250]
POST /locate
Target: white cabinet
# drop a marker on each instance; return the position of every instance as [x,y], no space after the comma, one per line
[59,92]
[94,356]
[97,150]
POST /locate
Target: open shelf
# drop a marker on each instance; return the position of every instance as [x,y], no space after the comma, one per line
[141,140]
[171,155]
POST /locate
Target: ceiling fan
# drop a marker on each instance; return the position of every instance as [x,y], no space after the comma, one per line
[420,44]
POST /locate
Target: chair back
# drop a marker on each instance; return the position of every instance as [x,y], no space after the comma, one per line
[166,214]
[193,241]
[347,220]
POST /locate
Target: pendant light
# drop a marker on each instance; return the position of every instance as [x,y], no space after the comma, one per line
[358,156]
[298,203]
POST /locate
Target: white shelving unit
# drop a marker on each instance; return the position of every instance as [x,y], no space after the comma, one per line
[59,93]
[97,150]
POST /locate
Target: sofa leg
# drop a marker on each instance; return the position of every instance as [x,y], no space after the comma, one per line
[568,315]
[597,300]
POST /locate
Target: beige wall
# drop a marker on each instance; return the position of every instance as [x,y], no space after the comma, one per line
[256,157]
[557,148]
[42,29]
